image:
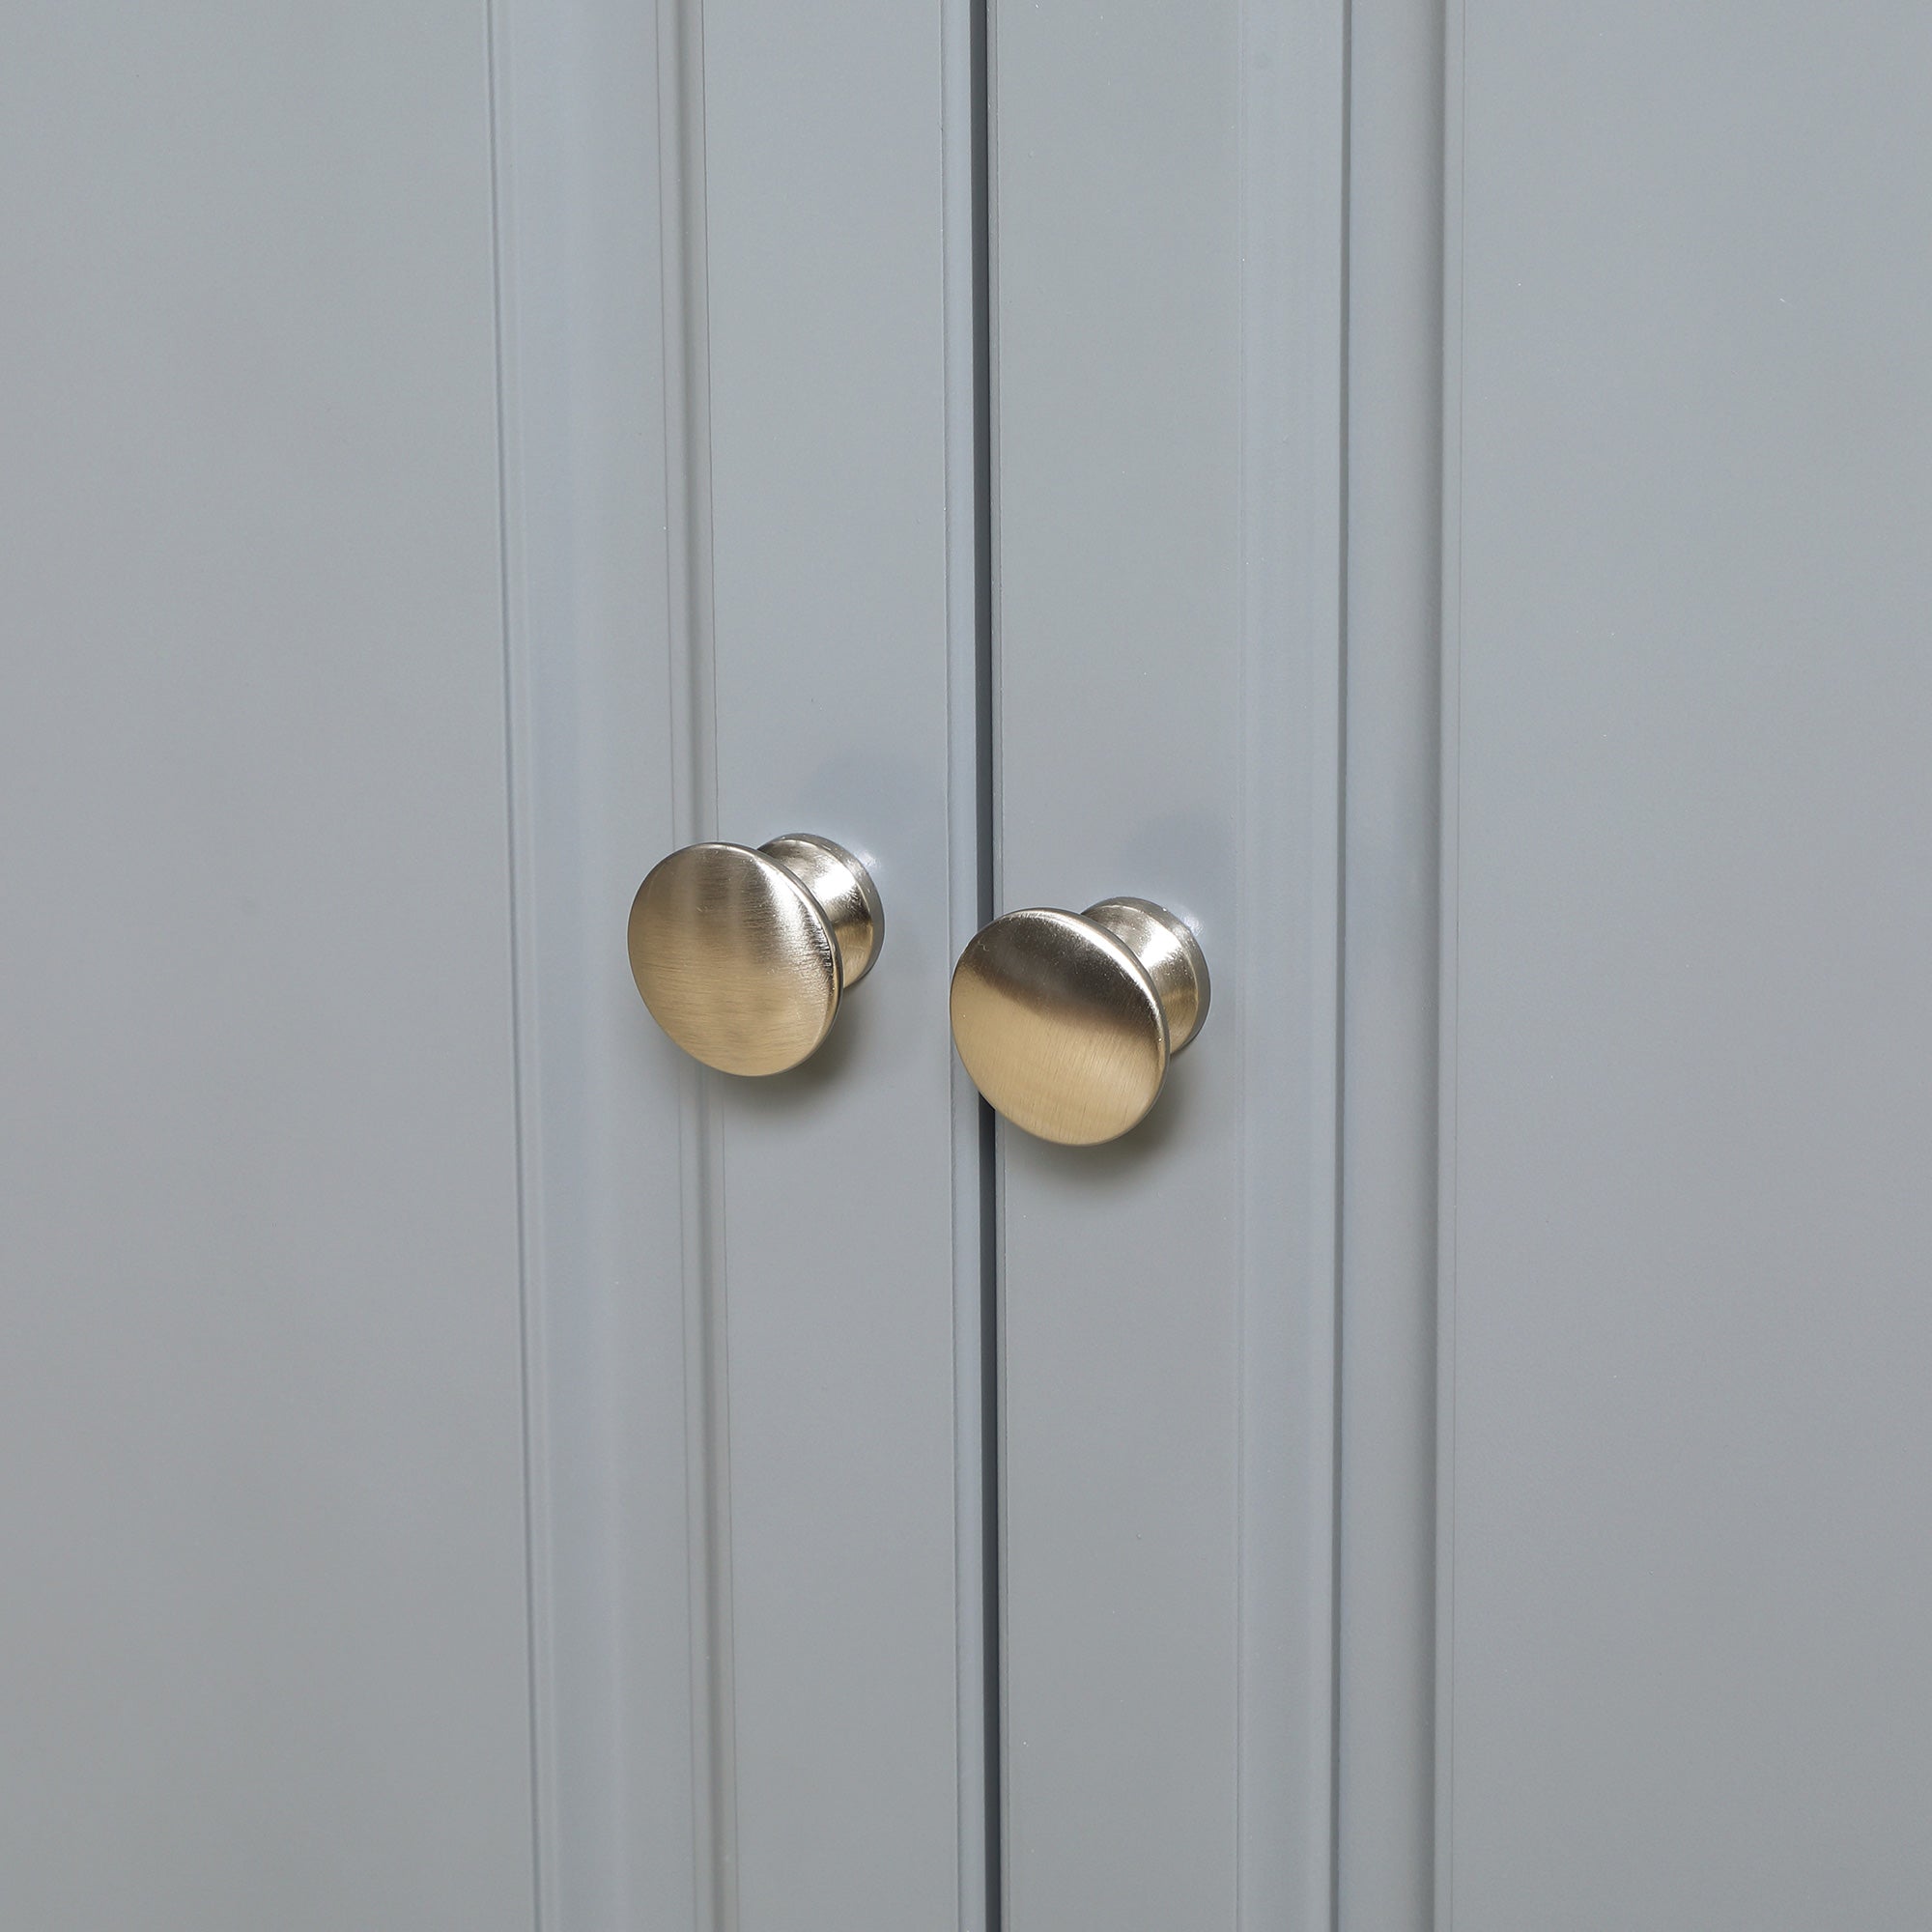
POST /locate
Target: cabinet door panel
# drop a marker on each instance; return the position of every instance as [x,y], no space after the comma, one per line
[263,1645]
[829,655]
[1684,1676]
[1166,370]
[349,1187]
[740,346]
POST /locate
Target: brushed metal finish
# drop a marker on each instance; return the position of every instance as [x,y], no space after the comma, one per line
[1170,956]
[1067,1021]
[842,890]
[742,955]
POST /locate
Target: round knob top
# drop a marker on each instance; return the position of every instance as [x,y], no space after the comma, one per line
[739,961]
[1065,1022]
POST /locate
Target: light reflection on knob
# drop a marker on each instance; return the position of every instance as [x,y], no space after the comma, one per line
[1067,1021]
[743,956]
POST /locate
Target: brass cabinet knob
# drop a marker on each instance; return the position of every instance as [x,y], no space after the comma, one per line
[1067,1021]
[743,956]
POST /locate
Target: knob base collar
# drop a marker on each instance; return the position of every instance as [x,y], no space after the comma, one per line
[1171,955]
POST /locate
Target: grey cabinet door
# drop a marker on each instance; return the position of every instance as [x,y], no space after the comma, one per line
[1166,186]
[737,258]
[1685,1671]
[1435,496]
[263,1632]
[1465,1459]
[459,1465]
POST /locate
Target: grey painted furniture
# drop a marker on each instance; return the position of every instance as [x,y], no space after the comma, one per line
[1437,496]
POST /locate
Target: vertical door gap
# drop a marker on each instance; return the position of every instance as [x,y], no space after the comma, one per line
[985,802]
